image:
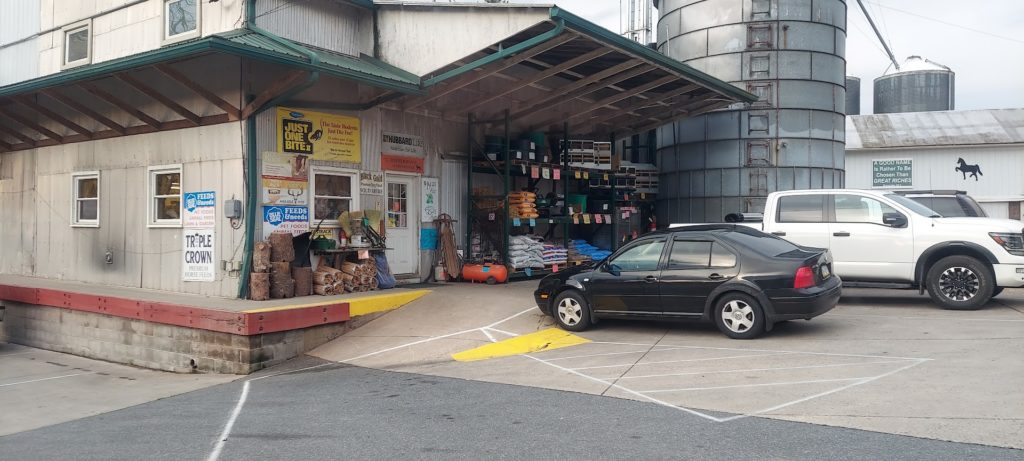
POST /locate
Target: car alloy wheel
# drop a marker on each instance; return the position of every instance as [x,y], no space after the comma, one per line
[738,316]
[959,283]
[570,312]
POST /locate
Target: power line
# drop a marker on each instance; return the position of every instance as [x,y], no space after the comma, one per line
[951,24]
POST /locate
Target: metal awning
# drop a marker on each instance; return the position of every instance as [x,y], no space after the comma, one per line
[567,69]
[105,100]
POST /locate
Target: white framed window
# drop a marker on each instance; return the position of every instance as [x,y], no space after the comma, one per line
[333,193]
[77,44]
[181,20]
[164,196]
[85,199]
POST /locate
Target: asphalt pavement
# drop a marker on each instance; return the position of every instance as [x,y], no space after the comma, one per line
[338,411]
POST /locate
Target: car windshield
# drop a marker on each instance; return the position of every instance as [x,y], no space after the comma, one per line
[913,206]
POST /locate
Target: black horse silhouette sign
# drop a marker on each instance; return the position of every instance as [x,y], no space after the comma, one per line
[973,170]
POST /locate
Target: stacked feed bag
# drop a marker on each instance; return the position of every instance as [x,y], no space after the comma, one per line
[525,251]
[591,251]
[522,205]
[555,254]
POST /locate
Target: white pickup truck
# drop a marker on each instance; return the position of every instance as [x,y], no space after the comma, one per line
[879,238]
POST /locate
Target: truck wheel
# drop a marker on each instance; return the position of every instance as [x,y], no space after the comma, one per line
[960,283]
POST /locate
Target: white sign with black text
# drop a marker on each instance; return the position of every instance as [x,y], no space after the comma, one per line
[199,263]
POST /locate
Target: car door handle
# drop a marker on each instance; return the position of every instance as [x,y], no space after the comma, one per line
[840,234]
[650,279]
[716,276]
[779,233]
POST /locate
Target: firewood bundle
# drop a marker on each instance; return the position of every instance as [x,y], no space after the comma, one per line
[259,278]
[352,278]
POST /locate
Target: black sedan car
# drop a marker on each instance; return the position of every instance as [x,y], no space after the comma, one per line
[742,279]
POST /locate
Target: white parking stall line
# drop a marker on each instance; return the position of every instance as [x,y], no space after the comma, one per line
[826,354]
[822,394]
[955,319]
[595,355]
[658,362]
[46,379]
[487,334]
[506,333]
[746,370]
[739,386]
[499,322]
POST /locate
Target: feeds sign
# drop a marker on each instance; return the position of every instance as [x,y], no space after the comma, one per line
[322,136]
[200,210]
[291,219]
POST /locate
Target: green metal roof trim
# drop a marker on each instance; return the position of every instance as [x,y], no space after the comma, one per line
[612,39]
[244,43]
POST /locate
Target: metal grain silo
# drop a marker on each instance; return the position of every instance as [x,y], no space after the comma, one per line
[852,95]
[919,86]
[791,53]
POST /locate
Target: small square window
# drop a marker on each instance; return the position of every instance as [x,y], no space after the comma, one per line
[77,44]
[181,19]
[757,123]
[85,199]
[760,9]
[165,196]
[759,36]
[763,91]
[332,195]
[758,154]
[760,66]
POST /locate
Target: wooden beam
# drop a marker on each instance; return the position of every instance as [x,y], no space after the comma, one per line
[654,100]
[131,110]
[274,90]
[625,94]
[196,88]
[585,86]
[550,72]
[159,97]
[473,77]
[132,130]
[67,101]
[28,102]
[31,142]
[31,125]
[699,111]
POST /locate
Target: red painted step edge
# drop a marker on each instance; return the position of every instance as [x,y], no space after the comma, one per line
[238,323]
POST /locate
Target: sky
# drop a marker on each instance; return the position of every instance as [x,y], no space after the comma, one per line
[981,41]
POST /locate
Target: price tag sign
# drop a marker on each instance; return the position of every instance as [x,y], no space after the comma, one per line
[516,222]
[557,174]
[533,222]
[625,215]
[643,196]
[586,219]
[364,254]
[551,221]
[534,172]
[490,217]
[598,218]
[577,173]
[529,272]
[575,219]
[606,177]
[546,173]
[586,175]
[554,268]
[625,196]
[522,168]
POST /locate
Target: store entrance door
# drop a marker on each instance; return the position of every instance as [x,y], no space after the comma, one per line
[402,223]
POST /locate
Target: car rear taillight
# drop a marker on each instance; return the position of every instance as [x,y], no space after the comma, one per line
[804,278]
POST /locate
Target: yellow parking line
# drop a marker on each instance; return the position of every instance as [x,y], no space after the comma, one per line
[551,338]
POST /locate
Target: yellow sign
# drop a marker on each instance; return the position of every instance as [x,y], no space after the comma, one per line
[319,135]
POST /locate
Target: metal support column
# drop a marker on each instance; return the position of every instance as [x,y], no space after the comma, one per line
[508,174]
[615,201]
[565,184]
[467,250]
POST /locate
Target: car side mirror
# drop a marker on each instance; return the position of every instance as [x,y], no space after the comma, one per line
[894,219]
[612,269]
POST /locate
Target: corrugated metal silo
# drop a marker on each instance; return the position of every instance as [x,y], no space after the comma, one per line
[919,86]
[852,95]
[791,52]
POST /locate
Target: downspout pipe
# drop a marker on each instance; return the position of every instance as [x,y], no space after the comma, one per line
[251,153]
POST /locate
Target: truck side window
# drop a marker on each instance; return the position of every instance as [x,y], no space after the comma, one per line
[857,209]
[802,208]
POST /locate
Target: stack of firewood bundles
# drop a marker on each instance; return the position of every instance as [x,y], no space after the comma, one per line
[351,278]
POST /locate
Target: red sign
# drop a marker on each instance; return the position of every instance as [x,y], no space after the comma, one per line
[401,163]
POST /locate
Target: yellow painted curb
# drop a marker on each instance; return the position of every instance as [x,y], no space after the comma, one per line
[544,340]
[357,306]
[383,302]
